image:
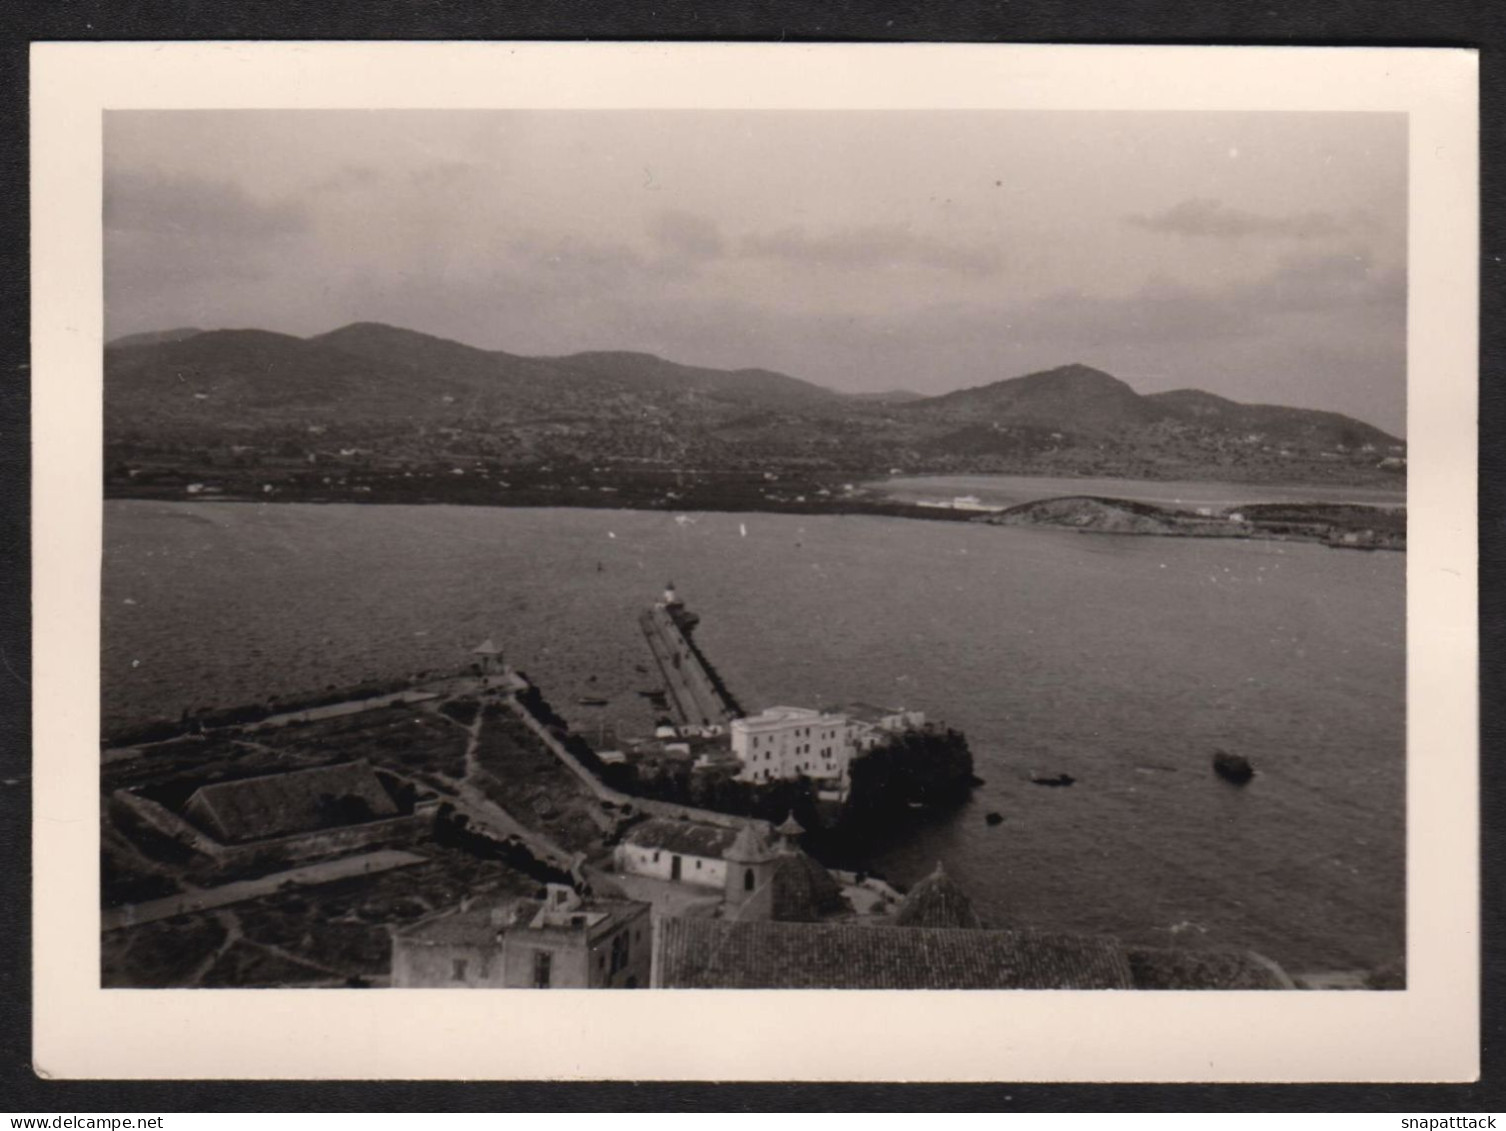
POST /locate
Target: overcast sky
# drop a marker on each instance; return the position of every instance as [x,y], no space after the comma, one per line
[1259,256]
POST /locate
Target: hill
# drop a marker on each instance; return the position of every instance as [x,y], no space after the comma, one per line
[390,397]
[1074,397]
[232,380]
[1300,426]
[644,371]
[152,338]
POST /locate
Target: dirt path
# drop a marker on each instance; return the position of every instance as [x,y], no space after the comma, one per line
[321,873]
[231,923]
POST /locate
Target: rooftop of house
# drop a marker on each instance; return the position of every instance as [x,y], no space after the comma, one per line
[769,716]
[684,837]
[294,802]
[712,953]
[482,924]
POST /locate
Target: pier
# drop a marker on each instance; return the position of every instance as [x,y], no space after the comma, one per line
[693,693]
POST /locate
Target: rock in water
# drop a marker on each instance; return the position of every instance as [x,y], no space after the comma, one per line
[994,819]
[1234,768]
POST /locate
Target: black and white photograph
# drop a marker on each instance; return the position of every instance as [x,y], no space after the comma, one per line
[755,548]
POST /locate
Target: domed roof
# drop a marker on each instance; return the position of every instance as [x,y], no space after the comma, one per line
[937,901]
[803,889]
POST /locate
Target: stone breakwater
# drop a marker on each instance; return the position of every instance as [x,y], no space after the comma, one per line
[694,692]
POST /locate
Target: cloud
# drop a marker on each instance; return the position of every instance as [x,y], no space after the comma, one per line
[445,174]
[687,235]
[189,207]
[174,246]
[349,177]
[1202,217]
[872,245]
[572,254]
[1342,290]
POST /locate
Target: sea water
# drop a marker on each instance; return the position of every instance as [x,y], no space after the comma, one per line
[1121,661]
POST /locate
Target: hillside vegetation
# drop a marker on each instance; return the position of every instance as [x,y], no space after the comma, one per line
[251,410]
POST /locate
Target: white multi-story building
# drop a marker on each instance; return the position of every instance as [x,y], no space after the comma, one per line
[788,742]
[785,742]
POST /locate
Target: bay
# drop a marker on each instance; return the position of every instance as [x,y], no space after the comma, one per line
[1123,662]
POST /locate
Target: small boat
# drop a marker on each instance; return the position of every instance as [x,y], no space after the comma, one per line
[592,701]
[1233,768]
[1058,780]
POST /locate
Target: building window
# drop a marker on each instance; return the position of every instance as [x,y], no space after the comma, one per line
[619,951]
[747,879]
[459,971]
[656,858]
[543,963]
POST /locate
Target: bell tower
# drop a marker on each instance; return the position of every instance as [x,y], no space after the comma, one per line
[749,893]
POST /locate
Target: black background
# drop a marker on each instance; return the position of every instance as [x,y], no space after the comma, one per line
[1476,24]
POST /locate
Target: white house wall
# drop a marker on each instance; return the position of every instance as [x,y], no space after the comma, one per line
[658,863]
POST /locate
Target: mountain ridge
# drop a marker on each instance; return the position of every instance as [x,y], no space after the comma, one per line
[405,393]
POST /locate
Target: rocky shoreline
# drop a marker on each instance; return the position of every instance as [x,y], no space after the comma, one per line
[1347,526]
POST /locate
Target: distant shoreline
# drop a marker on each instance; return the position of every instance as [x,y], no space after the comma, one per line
[1358,526]
[1344,526]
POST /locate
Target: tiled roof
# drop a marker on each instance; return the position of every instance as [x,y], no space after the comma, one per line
[1158,969]
[721,953]
[937,901]
[295,802]
[684,837]
[480,924]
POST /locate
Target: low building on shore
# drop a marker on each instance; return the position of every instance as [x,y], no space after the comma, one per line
[285,804]
[560,942]
[679,851]
[870,724]
[759,872]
